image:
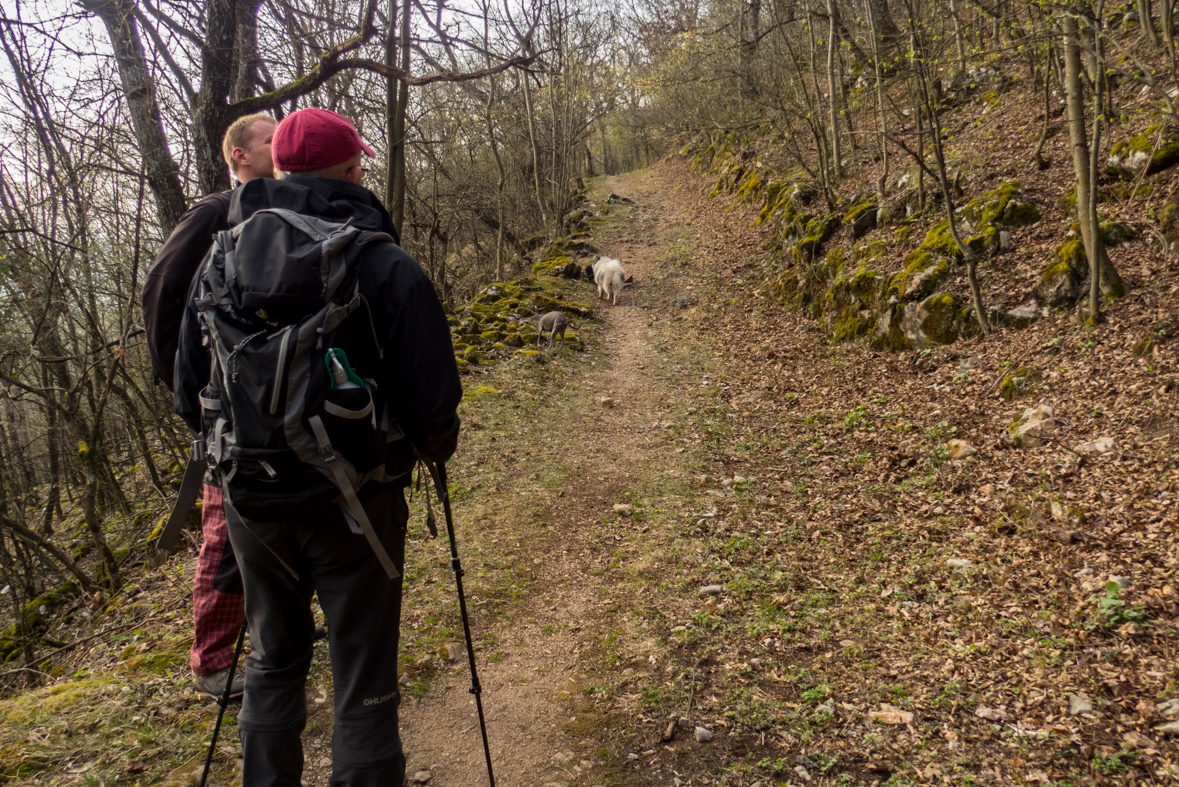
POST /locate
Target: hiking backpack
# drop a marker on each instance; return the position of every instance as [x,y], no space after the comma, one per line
[279,304]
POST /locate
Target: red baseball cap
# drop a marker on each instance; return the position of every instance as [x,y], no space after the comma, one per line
[312,139]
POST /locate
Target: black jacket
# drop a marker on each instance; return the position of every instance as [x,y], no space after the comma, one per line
[171,272]
[417,374]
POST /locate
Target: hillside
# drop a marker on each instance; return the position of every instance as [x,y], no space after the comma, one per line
[714,517]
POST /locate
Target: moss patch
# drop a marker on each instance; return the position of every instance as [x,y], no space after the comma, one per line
[850,324]
[939,324]
[1018,384]
[1070,258]
[1001,206]
[940,240]
[41,705]
[921,276]
[1128,157]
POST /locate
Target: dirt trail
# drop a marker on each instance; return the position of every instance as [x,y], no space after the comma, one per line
[527,693]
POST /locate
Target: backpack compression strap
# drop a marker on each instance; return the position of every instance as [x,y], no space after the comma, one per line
[351,503]
[194,476]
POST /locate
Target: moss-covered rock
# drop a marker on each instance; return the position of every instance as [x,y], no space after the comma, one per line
[858,287]
[860,220]
[775,202]
[851,324]
[985,243]
[1117,233]
[1061,277]
[930,321]
[836,259]
[1128,158]
[1018,384]
[902,234]
[818,231]
[887,335]
[939,324]
[1000,207]
[922,275]
[939,240]
[1169,221]
[869,252]
[750,188]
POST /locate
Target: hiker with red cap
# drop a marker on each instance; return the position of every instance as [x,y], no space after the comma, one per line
[315,359]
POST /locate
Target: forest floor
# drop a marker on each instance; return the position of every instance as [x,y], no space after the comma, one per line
[715,524]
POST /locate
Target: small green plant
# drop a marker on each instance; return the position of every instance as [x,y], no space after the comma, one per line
[941,432]
[857,418]
[1112,764]
[817,693]
[1113,611]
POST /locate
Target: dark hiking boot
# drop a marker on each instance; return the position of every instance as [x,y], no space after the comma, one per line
[320,633]
[214,685]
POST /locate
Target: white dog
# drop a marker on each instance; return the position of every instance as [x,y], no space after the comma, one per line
[610,278]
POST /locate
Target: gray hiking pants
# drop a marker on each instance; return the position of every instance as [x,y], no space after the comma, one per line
[363,610]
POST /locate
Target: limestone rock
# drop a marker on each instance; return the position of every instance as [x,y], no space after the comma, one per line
[1021,316]
[960,449]
[1169,708]
[889,714]
[624,509]
[1154,150]
[888,334]
[930,322]
[703,735]
[1116,233]
[1102,445]
[990,714]
[860,220]
[1063,512]
[1033,427]
[1060,279]
[1079,704]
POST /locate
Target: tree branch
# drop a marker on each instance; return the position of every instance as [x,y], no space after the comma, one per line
[331,64]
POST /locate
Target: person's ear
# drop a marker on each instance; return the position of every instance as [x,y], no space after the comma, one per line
[240,156]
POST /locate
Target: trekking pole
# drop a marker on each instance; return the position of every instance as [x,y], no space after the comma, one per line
[439,473]
[224,701]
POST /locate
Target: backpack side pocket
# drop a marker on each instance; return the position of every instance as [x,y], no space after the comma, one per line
[349,416]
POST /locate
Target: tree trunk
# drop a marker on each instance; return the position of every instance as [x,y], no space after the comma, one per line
[535,150]
[1147,21]
[212,117]
[750,32]
[832,89]
[246,49]
[959,44]
[1082,168]
[401,108]
[163,175]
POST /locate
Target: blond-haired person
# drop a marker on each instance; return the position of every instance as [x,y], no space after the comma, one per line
[217,602]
